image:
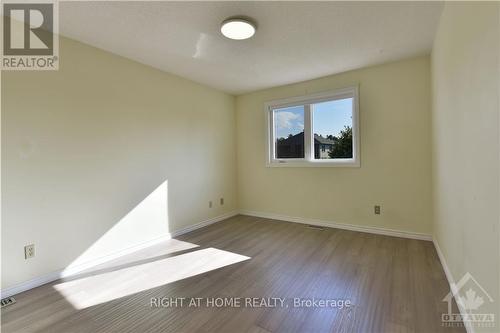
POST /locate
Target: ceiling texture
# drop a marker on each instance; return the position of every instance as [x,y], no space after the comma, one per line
[295,41]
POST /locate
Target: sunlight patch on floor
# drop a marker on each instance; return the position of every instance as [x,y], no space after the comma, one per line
[163,248]
[104,287]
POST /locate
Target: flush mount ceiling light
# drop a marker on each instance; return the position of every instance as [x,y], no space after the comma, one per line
[238,28]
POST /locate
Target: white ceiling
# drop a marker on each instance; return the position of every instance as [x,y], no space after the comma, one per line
[295,41]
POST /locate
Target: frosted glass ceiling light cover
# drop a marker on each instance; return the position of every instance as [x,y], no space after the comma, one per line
[238,28]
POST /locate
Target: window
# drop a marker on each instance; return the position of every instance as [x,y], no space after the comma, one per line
[314,130]
[289,132]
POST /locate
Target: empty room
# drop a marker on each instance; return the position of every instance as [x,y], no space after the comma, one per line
[240,166]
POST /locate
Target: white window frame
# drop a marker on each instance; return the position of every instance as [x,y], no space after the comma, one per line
[306,101]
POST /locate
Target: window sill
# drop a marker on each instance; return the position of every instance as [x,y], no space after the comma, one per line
[347,163]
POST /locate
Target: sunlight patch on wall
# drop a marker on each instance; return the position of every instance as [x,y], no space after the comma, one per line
[105,287]
[144,223]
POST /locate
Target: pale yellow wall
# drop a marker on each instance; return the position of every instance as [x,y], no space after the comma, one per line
[83,146]
[465,76]
[395,167]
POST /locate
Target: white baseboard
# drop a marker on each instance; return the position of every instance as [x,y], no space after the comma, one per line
[331,224]
[30,284]
[446,269]
[451,282]
[41,280]
[203,224]
[72,270]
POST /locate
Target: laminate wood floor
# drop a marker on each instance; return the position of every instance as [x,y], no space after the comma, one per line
[393,285]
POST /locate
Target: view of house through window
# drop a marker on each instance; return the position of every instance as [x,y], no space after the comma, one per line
[332,128]
[315,130]
[289,132]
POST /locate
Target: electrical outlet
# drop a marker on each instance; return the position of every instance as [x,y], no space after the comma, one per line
[377,209]
[210,204]
[29,251]
[221,201]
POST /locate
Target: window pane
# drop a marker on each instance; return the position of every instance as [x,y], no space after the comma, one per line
[289,132]
[332,128]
